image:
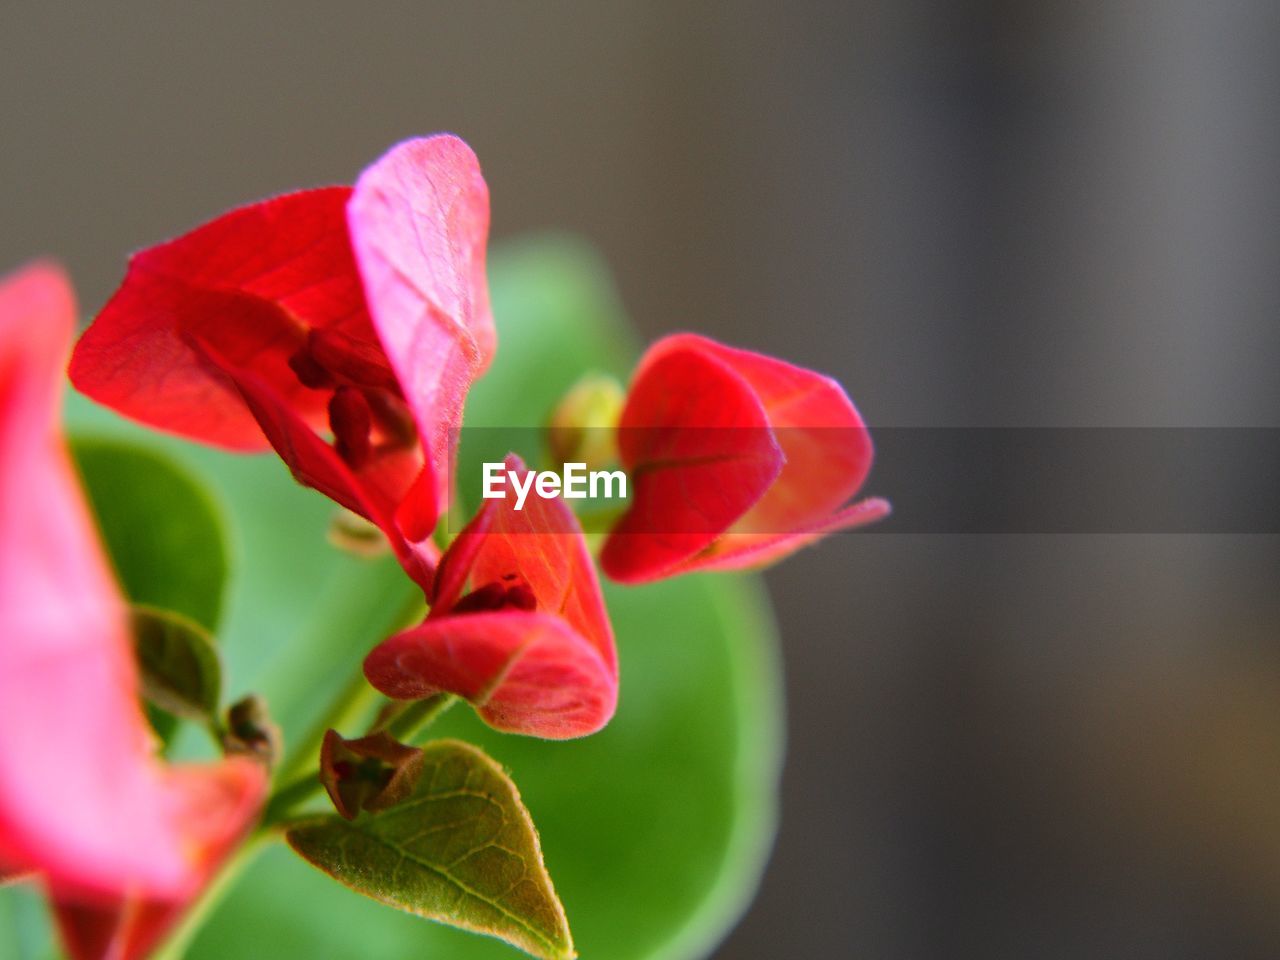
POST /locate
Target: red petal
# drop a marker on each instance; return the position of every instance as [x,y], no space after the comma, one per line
[374,493]
[826,445]
[419,220]
[267,303]
[543,545]
[81,797]
[62,794]
[825,453]
[292,252]
[550,673]
[752,551]
[696,440]
[529,673]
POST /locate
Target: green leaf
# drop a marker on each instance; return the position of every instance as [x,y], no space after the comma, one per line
[462,851]
[178,663]
[162,530]
[25,932]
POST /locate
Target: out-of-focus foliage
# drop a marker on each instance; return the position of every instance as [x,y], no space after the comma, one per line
[163,531]
[178,664]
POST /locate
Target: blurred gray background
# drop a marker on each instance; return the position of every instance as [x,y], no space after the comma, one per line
[973,214]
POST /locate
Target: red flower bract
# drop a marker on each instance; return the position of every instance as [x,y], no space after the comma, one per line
[117,836]
[736,459]
[529,644]
[341,326]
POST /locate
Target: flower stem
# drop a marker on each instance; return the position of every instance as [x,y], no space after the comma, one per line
[283,801]
[420,714]
[349,703]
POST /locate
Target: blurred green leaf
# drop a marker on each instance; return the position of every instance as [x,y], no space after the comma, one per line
[162,530]
[558,318]
[654,830]
[462,850]
[25,932]
[179,664]
[299,615]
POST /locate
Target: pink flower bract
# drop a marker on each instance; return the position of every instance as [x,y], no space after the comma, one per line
[341,326]
[736,459]
[83,801]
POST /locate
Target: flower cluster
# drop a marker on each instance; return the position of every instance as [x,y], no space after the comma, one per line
[342,328]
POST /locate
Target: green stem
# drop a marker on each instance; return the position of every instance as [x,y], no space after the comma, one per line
[289,797]
[349,703]
[406,724]
[411,722]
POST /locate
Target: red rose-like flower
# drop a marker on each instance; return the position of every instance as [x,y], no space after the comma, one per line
[736,460]
[341,326]
[517,626]
[122,841]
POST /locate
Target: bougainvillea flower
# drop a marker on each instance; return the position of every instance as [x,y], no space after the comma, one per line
[517,625]
[84,802]
[341,326]
[736,459]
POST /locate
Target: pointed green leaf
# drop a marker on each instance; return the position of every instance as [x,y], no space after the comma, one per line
[462,851]
[160,526]
[178,663]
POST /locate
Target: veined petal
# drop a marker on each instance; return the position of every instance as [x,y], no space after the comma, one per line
[419,221]
[822,451]
[698,445]
[544,547]
[826,445]
[291,252]
[260,325]
[529,673]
